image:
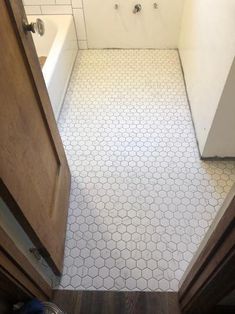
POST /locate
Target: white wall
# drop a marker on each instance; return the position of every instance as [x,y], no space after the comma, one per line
[221,138]
[75,7]
[108,27]
[207,49]
[206,45]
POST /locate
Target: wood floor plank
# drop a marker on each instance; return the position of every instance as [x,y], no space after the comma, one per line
[114,302]
[68,301]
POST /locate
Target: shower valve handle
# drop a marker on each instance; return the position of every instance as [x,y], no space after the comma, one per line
[35,27]
[137,8]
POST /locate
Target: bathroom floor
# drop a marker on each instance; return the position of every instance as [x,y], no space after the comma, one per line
[141,198]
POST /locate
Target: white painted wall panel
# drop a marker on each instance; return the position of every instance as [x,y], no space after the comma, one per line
[207,49]
[151,28]
[221,138]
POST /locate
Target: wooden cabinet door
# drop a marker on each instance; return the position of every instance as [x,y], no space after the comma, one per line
[35,178]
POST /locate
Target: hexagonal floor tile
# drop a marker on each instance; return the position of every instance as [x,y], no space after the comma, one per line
[141,198]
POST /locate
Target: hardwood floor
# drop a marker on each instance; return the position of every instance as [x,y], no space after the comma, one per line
[110,302]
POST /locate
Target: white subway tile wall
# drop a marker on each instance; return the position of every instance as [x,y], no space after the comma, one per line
[75,7]
[56,9]
[77,4]
[79,22]
[82,44]
[33,9]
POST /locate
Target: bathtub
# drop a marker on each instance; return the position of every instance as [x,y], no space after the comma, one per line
[59,47]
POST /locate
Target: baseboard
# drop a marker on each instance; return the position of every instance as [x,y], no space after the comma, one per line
[217,158]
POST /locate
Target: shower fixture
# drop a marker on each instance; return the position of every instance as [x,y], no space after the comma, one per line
[116,6]
[155,5]
[137,8]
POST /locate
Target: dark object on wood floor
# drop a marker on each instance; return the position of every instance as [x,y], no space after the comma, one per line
[110,302]
[33,306]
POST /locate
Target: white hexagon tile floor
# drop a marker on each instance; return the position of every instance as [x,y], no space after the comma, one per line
[141,198]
